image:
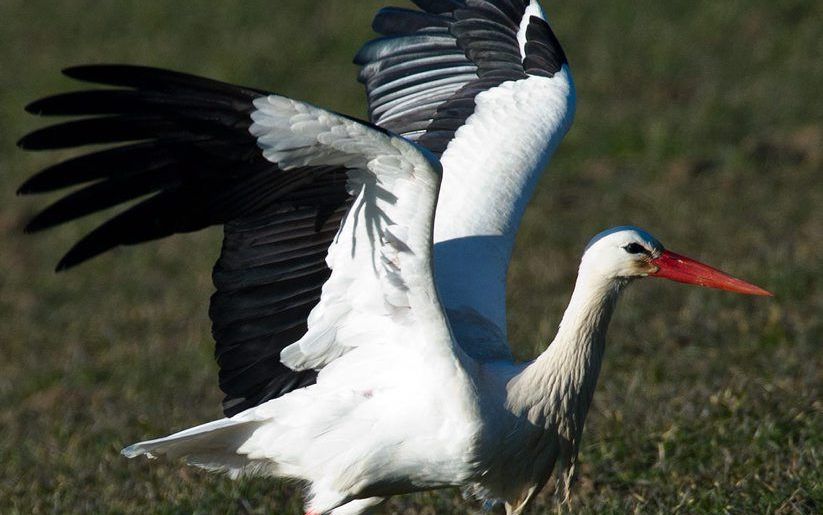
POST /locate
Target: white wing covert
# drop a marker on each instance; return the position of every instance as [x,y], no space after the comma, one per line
[381,257]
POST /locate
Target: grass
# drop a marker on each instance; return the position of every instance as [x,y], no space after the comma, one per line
[700,121]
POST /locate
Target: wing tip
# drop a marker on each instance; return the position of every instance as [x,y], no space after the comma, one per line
[24,143]
[63,266]
[30,187]
[81,71]
[115,74]
[30,228]
[89,247]
[77,255]
[88,72]
[35,108]
[71,71]
[42,139]
[42,222]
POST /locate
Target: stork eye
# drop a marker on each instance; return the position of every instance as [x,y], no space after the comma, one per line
[635,248]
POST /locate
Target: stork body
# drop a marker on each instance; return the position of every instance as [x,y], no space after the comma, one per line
[399,415]
[360,307]
[397,420]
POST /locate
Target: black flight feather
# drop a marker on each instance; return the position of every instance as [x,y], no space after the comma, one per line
[183,157]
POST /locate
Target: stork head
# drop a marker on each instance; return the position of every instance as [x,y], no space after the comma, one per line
[625,253]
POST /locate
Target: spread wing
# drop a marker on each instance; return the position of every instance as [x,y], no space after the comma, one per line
[279,175]
[485,85]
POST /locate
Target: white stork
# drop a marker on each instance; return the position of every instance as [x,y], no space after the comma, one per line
[360,316]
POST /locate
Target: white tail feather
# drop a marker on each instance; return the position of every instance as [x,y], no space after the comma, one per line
[213,446]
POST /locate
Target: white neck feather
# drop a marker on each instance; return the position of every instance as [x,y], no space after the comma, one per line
[547,401]
[557,387]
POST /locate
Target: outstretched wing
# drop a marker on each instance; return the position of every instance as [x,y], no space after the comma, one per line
[485,85]
[191,155]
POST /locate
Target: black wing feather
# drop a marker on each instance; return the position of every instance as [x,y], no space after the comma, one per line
[185,159]
[114,162]
[266,280]
[473,42]
[543,52]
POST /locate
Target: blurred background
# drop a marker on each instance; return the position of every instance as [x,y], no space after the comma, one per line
[701,121]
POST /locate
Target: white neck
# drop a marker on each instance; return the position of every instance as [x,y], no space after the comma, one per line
[546,402]
[557,388]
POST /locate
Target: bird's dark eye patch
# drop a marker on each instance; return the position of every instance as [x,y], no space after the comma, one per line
[635,248]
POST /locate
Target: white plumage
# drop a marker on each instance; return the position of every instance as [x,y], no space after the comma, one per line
[360,314]
[514,130]
[405,409]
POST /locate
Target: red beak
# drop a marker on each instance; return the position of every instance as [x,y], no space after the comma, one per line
[686,270]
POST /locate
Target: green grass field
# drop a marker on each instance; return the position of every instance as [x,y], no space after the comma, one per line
[700,121]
